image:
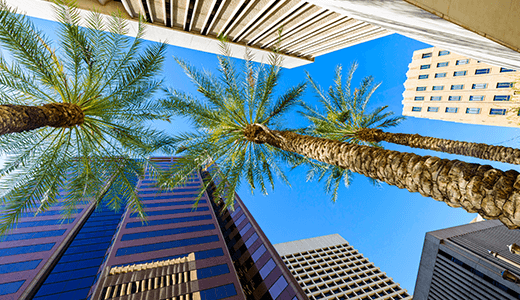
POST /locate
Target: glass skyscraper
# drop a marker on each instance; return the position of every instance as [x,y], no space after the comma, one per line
[180,253]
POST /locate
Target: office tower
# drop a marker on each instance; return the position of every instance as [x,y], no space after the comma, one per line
[327,267]
[456,263]
[180,253]
[480,29]
[308,30]
[446,86]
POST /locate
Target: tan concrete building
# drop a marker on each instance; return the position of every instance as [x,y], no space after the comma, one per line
[327,267]
[308,30]
[446,86]
[486,30]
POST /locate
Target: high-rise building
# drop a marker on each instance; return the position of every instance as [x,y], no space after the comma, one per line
[445,86]
[456,263]
[307,30]
[327,267]
[180,253]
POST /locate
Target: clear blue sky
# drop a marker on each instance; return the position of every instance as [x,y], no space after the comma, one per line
[386,224]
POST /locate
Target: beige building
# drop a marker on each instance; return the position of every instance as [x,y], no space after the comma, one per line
[327,267]
[446,86]
[308,30]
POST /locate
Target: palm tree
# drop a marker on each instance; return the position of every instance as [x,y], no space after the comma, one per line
[73,116]
[231,125]
[345,113]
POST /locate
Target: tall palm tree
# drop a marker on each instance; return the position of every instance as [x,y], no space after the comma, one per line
[345,113]
[231,125]
[73,115]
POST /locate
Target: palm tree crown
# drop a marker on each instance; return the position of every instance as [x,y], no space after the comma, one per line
[345,112]
[230,103]
[100,88]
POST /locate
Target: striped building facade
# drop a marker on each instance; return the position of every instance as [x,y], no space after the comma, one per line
[180,253]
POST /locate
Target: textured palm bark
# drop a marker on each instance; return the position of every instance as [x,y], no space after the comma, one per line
[479,150]
[19,118]
[477,188]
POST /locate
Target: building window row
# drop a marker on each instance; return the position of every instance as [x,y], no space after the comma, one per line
[459,98]
[474,86]
[168,221]
[469,110]
[440,53]
[165,232]
[166,245]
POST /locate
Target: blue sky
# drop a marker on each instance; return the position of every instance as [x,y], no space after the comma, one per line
[386,224]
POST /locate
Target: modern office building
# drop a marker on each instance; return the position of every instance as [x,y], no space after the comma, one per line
[479,29]
[308,30]
[456,263]
[327,267]
[446,86]
[180,253]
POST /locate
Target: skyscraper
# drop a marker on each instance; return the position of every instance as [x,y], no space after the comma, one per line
[446,86]
[456,263]
[327,267]
[180,253]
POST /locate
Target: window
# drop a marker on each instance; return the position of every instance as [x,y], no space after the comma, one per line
[482,71]
[245,229]
[267,268]
[457,86]
[459,73]
[278,287]
[425,76]
[256,255]
[420,88]
[442,64]
[462,62]
[426,55]
[501,98]
[424,67]
[26,249]
[212,271]
[444,52]
[44,223]
[218,293]
[166,245]
[10,287]
[433,109]
[479,86]
[415,108]
[240,220]
[451,110]
[171,231]
[440,75]
[33,235]
[471,110]
[172,211]
[19,266]
[454,98]
[149,205]
[503,70]
[502,85]
[438,88]
[418,98]
[497,111]
[476,98]
[251,240]
[168,221]
[435,98]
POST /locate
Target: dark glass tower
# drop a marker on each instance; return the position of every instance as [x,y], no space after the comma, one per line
[180,253]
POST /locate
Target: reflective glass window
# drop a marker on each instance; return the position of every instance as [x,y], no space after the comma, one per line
[504,85]
[501,98]
[168,221]
[10,287]
[26,249]
[454,98]
[424,67]
[418,98]
[444,52]
[477,86]
[451,110]
[416,108]
[171,231]
[166,245]
[457,86]
[462,62]
[482,71]
[440,75]
[245,229]
[438,88]
[433,109]
[435,98]
[424,76]
[442,64]
[497,111]
[219,292]
[476,98]
[426,55]
[267,268]
[172,211]
[251,240]
[212,271]
[258,253]
[278,287]
[420,88]
[472,110]
[19,266]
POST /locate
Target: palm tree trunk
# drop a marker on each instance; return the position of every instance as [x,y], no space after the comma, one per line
[477,188]
[19,118]
[478,150]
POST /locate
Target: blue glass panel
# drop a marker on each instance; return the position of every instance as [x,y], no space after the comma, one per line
[198,255]
[44,223]
[19,266]
[68,266]
[245,229]
[171,231]
[166,245]
[82,256]
[217,293]
[91,241]
[171,211]
[26,249]
[94,247]
[267,268]
[164,197]
[251,240]
[168,221]
[240,220]
[32,235]
[502,85]
[10,287]
[278,287]
[261,250]
[60,287]
[64,276]
[212,271]
[172,203]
